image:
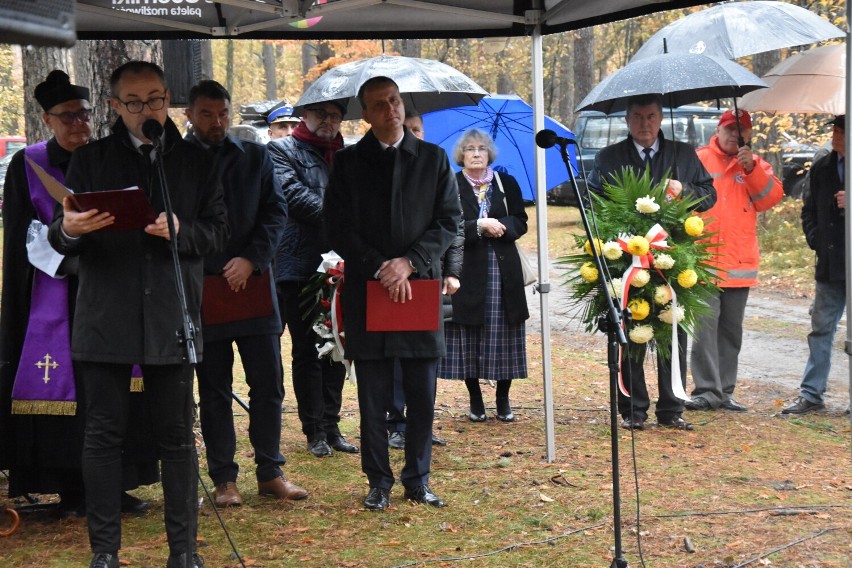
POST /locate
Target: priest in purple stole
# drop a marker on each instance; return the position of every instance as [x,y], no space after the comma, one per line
[41,410]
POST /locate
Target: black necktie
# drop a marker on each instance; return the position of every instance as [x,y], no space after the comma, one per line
[145,150]
[647,162]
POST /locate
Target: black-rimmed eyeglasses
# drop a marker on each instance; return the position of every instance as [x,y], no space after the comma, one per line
[135,107]
[67,118]
[332,117]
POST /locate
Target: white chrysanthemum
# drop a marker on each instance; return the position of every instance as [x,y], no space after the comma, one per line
[617,283]
[642,277]
[322,331]
[647,205]
[666,314]
[641,334]
[663,261]
[612,250]
[662,295]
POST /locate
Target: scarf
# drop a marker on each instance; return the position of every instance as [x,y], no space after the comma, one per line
[482,190]
[328,147]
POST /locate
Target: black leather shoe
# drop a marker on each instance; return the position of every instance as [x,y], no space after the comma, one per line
[733,405]
[635,424]
[378,499]
[698,403]
[133,505]
[104,560]
[438,441]
[677,423]
[396,440]
[423,494]
[340,444]
[803,406]
[179,561]
[319,448]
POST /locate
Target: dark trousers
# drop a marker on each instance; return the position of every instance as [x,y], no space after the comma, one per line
[317,383]
[396,411]
[668,405]
[375,380]
[261,357]
[168,389]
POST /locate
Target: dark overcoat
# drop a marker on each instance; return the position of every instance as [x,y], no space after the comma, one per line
[823,222]
[469,301]
[256,216]
[377,209]
[127,306]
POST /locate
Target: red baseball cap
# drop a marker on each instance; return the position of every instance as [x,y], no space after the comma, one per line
[728,118]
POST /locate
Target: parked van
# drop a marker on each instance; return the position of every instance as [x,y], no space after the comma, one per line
[595,130]
[11,144]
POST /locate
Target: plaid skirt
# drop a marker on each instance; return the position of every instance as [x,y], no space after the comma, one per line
[495,350]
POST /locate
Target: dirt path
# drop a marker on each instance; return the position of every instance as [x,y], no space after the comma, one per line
[775,345]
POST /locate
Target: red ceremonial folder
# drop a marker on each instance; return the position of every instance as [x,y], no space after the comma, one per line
[130,207]
[421,313]
[220,304]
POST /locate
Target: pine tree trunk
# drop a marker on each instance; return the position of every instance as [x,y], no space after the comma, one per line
[584,63]
[309,60]
[37,63]
[268,56]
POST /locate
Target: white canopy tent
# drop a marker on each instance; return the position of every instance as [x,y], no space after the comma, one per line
[390,19]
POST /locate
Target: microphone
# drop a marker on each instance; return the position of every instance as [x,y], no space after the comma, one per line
[547,138]
[152,130]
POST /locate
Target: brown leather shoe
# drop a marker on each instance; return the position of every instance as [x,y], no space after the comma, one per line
[226,495]
[281,488]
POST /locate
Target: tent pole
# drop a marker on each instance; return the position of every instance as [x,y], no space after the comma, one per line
[543,285]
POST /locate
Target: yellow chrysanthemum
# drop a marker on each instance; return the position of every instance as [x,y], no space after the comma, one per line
[598,246]
[639,308]
[662,295]
[641,334]
[642,277]
[589,272]
[688,278]
[638,246]
[694,226]
[612,250]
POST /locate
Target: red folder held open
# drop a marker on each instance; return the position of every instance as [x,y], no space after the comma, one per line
[421,313]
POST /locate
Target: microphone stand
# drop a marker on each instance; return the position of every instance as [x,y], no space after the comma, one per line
[185,336]
[611,325]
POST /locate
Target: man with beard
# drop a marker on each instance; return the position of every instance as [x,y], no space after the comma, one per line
[302,162]
[256,215]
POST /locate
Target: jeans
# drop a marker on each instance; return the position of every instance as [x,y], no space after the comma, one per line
[829,304]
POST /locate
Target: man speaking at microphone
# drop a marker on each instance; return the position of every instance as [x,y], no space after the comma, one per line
[128,310]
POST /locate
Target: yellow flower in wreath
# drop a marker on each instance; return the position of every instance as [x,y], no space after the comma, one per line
[638,246]
[589,272]
[688,278]
[639,309]
[694,226]
[598,246]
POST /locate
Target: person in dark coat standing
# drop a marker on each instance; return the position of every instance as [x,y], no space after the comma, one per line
[487,336]
[301,162]
[42,437]
[645,148]
[127,308]
[391,210]
[256,215]
[823,222]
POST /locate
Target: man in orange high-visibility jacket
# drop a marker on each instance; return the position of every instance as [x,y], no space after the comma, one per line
[745,185]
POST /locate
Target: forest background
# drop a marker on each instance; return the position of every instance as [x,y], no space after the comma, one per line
[255,70]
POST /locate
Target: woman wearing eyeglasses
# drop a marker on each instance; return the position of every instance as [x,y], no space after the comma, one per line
[487,337]
[41,412]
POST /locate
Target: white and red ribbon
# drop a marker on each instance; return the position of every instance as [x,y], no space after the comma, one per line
[333,266]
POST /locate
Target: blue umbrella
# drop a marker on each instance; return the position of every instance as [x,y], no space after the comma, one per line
[509,121]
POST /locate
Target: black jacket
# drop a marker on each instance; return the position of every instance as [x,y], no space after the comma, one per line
[690,171]
[376,209]
[127,307]
[822,221]
[256,216]
[469,301]
[302,174]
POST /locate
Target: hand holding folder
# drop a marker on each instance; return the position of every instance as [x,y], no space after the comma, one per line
[130,206]
[420,313]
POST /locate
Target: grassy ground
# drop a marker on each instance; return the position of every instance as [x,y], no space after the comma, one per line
[733,490]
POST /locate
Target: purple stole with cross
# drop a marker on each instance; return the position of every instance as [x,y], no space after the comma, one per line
[44,383]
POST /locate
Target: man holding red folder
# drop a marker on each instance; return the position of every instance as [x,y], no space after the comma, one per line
[391,210]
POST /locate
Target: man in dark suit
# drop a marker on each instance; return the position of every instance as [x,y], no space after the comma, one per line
[823,223]
[127,310]
[391,210]
[256,215]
